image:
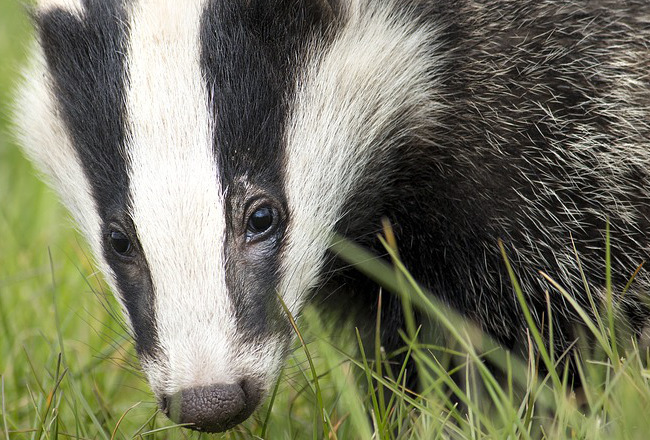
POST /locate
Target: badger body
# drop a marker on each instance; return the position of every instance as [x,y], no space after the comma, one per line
[209,152]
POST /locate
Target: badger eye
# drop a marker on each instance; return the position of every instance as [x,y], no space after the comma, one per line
[120,243]
[260,221]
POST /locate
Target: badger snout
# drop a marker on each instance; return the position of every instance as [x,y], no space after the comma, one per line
[212,408]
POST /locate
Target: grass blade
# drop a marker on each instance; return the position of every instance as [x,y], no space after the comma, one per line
[324,417]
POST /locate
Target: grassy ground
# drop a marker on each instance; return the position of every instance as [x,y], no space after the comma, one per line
[68,371]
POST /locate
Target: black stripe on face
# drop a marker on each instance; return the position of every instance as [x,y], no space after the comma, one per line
[250,52]
[85,57]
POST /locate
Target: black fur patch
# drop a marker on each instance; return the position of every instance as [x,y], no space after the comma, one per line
[86,60]
[533,148]
[250,56]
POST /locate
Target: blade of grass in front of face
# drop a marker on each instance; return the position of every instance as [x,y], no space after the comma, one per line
[150,421]
[119,421]
[389,241]
[162,429]
[323,415]
[270,405]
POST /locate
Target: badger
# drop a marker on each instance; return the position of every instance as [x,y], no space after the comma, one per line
[210,150]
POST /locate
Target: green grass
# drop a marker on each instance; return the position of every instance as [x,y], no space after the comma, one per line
[68,370]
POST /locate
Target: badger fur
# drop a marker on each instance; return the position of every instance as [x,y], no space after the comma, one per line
[208,151]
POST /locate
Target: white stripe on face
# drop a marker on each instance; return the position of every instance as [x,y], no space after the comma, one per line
[177,202]
[45,140]
[375,75]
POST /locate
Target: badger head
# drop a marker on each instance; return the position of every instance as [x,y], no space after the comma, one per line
[207,151]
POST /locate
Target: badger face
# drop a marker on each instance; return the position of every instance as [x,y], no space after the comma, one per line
[199,148]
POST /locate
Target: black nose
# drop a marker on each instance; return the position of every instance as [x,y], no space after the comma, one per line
[212,408]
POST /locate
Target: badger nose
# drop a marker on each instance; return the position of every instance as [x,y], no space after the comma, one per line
[212,408]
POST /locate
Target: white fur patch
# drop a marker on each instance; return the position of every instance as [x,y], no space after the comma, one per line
[177,202]
[45,141]
[377,71]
